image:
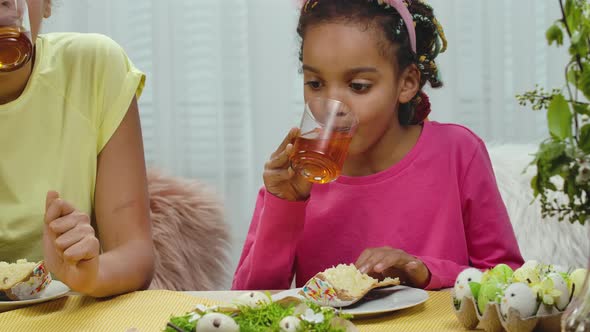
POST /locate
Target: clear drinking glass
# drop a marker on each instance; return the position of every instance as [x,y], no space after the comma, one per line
[326,130]
[16,47]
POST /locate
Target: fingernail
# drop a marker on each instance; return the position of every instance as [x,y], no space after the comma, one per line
[379,267]
[364,269]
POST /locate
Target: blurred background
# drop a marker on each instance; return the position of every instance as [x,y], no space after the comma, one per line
[224,87]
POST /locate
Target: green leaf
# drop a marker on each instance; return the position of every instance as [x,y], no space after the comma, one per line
[568,6]
[584,141]
[572,74]
[535,185]
[550,160]
[559,118]
[569,186]
[554,34]
[573,14]
[576,37]
[582,109]
[583,83]
[578,50]
[580,78]
[551,150]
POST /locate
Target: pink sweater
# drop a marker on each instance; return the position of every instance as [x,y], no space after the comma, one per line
[440,204]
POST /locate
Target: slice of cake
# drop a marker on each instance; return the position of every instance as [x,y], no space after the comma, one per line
[342,285]
[22,280]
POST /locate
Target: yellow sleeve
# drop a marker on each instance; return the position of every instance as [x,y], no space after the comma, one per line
[119,82]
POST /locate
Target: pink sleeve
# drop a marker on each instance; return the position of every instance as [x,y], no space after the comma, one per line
[268,257]
[490,237]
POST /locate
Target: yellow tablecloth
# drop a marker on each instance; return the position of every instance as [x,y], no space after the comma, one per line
[149,311]
[436,314]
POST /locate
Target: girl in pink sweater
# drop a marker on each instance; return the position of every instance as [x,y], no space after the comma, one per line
[417,199]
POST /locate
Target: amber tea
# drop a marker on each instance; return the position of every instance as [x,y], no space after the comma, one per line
[16,48]
[320,150]
[320,159]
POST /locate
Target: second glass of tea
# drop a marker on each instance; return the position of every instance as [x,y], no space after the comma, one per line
[326,130]
[16,48]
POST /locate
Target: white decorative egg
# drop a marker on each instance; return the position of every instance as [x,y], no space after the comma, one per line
[559,284]
[462,288]
[252,299]
[289,324]
[530,264]
[577,280]
[520,297]
[216,322]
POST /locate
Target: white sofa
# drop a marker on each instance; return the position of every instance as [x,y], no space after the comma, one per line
[545,240]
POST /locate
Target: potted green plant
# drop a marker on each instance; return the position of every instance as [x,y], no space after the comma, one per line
[562,180]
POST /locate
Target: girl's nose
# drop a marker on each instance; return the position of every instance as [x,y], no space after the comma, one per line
[336,93]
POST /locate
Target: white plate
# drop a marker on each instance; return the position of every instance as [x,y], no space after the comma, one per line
[54,290]
[378,301]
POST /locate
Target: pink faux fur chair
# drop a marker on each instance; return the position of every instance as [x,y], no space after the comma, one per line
[191,238]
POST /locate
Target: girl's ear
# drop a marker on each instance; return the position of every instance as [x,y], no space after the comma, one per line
[409,84]
[47,8]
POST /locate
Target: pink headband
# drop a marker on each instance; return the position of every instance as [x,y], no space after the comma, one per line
[401,6]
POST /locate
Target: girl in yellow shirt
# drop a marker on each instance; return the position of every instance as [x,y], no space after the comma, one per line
[72,171]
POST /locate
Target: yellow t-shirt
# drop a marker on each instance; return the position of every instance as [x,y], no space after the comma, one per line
[50,137]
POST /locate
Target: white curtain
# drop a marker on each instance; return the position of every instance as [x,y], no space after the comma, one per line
[223,83]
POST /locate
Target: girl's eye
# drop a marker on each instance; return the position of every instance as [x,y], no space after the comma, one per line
[314,84]
[360,87]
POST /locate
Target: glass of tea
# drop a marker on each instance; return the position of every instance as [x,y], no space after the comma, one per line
[320,149]
[16,47]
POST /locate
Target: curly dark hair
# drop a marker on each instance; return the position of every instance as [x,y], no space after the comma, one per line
[430,39]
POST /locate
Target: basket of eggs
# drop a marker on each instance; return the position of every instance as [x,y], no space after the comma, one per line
[532,297]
